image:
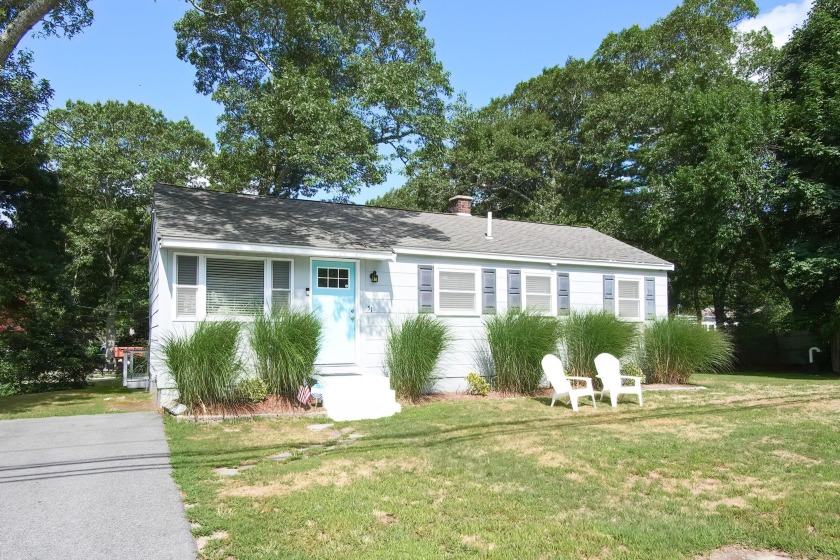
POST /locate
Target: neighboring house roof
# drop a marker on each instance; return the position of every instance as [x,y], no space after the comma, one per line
[196,214]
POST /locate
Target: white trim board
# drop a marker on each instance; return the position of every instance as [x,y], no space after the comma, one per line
[259,248]
[529,259]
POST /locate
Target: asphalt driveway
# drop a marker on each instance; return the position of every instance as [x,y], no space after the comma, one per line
[89,487]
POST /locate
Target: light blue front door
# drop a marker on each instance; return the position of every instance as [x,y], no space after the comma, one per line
[334,300]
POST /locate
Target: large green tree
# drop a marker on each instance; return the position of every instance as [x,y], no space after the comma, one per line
[318,95]
[43,336]
[661,139]
[680,121]
[107,157]
[806,212]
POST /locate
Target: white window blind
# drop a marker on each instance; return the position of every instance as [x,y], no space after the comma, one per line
[629,299]
[186,285]
[234,287]
[281,284]
[538,293]
[457,291]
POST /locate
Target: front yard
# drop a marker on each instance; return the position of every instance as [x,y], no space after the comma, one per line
[752,460]
[100,397]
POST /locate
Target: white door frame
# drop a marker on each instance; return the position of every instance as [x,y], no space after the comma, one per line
[356,300]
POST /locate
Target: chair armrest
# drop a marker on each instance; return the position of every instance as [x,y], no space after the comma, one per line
[636,378]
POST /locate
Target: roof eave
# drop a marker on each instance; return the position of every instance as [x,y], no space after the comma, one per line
[269,249]
[533,259]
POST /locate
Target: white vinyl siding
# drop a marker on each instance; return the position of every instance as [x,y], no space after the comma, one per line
[629,298]
[281,284]
[538,295]
[186,285]
[458,292]
[235,286]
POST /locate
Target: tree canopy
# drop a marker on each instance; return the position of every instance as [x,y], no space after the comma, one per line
[107,156]
[318,95]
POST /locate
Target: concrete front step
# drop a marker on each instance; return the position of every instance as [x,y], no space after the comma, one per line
[358,397]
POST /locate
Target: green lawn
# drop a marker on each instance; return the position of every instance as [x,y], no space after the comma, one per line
[100,397]
[752,460]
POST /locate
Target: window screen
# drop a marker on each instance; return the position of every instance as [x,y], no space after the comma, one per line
[629,299]
[186,285]
[457,291]
[538,293]
[234,287]
[281,284]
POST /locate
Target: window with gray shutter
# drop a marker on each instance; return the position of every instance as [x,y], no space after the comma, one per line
[609,293]
[538,293]
[457,292]
[281,284]
[488,290]
[186,285]
[235,286]
[650,297]
[563,294]
[514,289]
[426,288]
[629,298]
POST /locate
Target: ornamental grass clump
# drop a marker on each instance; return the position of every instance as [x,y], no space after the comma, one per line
[586,334]
[285,345]
[412,353]
[205,364]
[518,341]
[674,349]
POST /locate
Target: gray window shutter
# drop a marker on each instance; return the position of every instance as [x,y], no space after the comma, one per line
[488,290]
[425,288]
[609,292]
[563,294]
[650,297]
[514,289]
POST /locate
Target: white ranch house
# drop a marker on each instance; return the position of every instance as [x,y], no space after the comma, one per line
[217,254]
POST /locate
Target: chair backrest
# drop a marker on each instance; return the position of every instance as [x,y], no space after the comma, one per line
[553,368]
[609,369]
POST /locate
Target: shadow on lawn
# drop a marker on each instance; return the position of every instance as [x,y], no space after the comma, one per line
[432,437]
[65,398]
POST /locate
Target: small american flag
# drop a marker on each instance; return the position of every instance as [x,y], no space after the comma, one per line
[303,394]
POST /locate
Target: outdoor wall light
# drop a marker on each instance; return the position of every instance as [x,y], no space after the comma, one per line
[374,277]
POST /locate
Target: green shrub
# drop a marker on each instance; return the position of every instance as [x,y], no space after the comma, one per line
[205,364]
[633,369]
[478,385]
[251,389]
[584,335]
[676,348]
[518,340]
[412,353]
[285,345]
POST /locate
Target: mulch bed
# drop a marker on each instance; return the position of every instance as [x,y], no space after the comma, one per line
[272,407]
[446,397]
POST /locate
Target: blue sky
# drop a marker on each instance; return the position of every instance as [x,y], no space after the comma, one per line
[488,46]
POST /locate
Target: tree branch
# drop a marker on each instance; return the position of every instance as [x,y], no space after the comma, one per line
[23,22]
[203,11]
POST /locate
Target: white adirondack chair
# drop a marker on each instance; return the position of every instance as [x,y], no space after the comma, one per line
[609,371]
[561,383]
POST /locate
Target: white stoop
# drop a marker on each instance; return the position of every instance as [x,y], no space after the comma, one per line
[358,397]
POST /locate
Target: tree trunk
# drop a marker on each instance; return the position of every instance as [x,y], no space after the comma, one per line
[110,337]
[25,20]
[720,311]
[835,352]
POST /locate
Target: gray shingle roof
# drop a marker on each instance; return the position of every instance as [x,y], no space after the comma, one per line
[183,213]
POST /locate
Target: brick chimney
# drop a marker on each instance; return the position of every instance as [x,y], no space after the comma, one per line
[460,205]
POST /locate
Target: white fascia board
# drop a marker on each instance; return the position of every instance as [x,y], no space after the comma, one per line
[228,246]
[525,258]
